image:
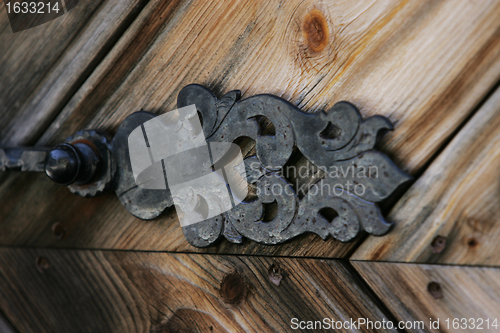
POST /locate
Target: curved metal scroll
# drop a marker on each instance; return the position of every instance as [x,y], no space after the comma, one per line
[338,142]
[335,140]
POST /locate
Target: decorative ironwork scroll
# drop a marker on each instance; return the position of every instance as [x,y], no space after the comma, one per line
[339,142]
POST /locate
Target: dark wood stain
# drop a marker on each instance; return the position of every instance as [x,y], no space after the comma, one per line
[233,288]
[438,244]
[435,290]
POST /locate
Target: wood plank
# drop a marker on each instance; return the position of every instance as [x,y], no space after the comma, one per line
[451,214]
[108,291]
[42,67]
[385,57]
[417,292]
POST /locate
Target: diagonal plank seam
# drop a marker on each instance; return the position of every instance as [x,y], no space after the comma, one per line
[100,56]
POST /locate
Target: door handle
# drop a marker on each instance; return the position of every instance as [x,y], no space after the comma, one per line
[83,162]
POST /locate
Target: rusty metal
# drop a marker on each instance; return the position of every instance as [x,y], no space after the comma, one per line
[23,159]
[142,203]
[337,139]
[101,171]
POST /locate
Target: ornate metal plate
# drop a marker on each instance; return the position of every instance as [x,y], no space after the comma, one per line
[339,143]
[344,176]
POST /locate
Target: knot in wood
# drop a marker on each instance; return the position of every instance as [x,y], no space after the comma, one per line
[275,274]
[315,30]
[42,264]
[233,288]
[435,290]
[438,244]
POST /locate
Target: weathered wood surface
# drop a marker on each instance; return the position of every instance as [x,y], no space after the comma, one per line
[41,68]
[415,292]
[451,214]
[424,64]
[94,291]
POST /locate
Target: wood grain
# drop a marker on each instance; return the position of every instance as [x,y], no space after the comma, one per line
[451,214]
[94,291]
[455,292]
[42,67]
[410,61]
